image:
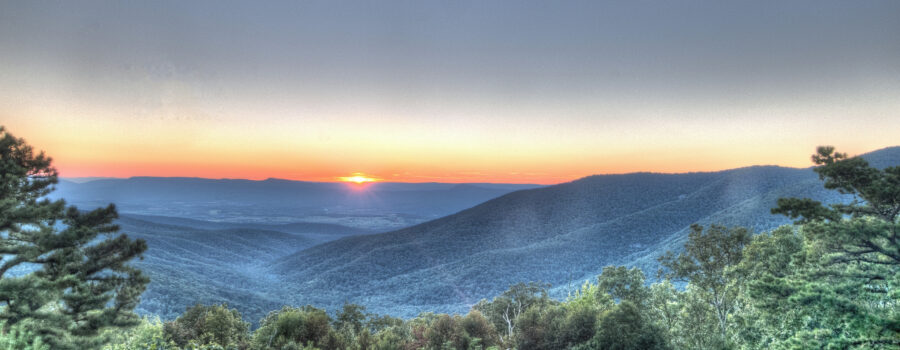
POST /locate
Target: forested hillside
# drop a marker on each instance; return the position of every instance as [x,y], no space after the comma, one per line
[189,265]
[561,235]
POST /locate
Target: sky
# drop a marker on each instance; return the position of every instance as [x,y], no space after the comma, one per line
[447,91]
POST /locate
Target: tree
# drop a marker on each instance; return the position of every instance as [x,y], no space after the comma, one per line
[445,332]
[478,327]
[150,334]
[696,326]
[352,318]
[293,327]
[624,328]
[663,306]
[208,325]
[580,324]
[507,307]
[876,195]
[392,338]
[20,338]
[62,271]
[541,328]
[623,284]
[846,277]
[706,263]
[769,261]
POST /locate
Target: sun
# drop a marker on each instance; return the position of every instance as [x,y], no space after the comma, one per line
[358,178]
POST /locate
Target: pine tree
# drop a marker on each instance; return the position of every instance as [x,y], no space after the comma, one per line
[64,273]
[845,282]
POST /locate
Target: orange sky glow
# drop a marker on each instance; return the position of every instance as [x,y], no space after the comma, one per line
[83,149]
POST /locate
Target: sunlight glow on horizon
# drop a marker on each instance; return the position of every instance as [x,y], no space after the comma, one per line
[358,178]
[103,148]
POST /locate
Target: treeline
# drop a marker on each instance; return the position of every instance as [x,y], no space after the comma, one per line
[769,291]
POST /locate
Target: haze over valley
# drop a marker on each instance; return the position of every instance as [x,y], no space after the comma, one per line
[371,206]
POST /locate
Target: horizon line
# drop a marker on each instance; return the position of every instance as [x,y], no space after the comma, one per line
[96,178]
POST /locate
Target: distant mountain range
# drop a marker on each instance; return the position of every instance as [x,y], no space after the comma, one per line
[251,243]
[559,234]
[375,206]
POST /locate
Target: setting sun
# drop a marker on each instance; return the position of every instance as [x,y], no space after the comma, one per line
[358,178]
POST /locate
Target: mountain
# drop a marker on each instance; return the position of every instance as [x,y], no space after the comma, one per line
[193,261]
[559,234]
[320,231]
[211,240]
[375,206]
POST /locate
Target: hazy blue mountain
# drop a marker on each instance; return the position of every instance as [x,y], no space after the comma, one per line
[560,234]
[883,158]
[81,180]
[376,206]
[191,261]
[314,230]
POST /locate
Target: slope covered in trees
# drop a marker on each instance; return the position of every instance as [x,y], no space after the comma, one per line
[190,265]
[65,274]
[560,234]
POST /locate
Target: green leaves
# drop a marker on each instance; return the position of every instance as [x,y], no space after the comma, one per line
[840,283]
[209,325]
[807,210]
[59,279]
[707,264]
[625,327]
[623,284]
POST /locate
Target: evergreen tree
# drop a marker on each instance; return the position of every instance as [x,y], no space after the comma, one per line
[845,282]
[63,272]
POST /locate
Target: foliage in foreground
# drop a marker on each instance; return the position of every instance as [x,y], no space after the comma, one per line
[64,274]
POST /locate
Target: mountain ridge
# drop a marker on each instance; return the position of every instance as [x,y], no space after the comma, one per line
[479,251]
[378,206]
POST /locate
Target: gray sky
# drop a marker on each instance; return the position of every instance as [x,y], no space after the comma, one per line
[605,81]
